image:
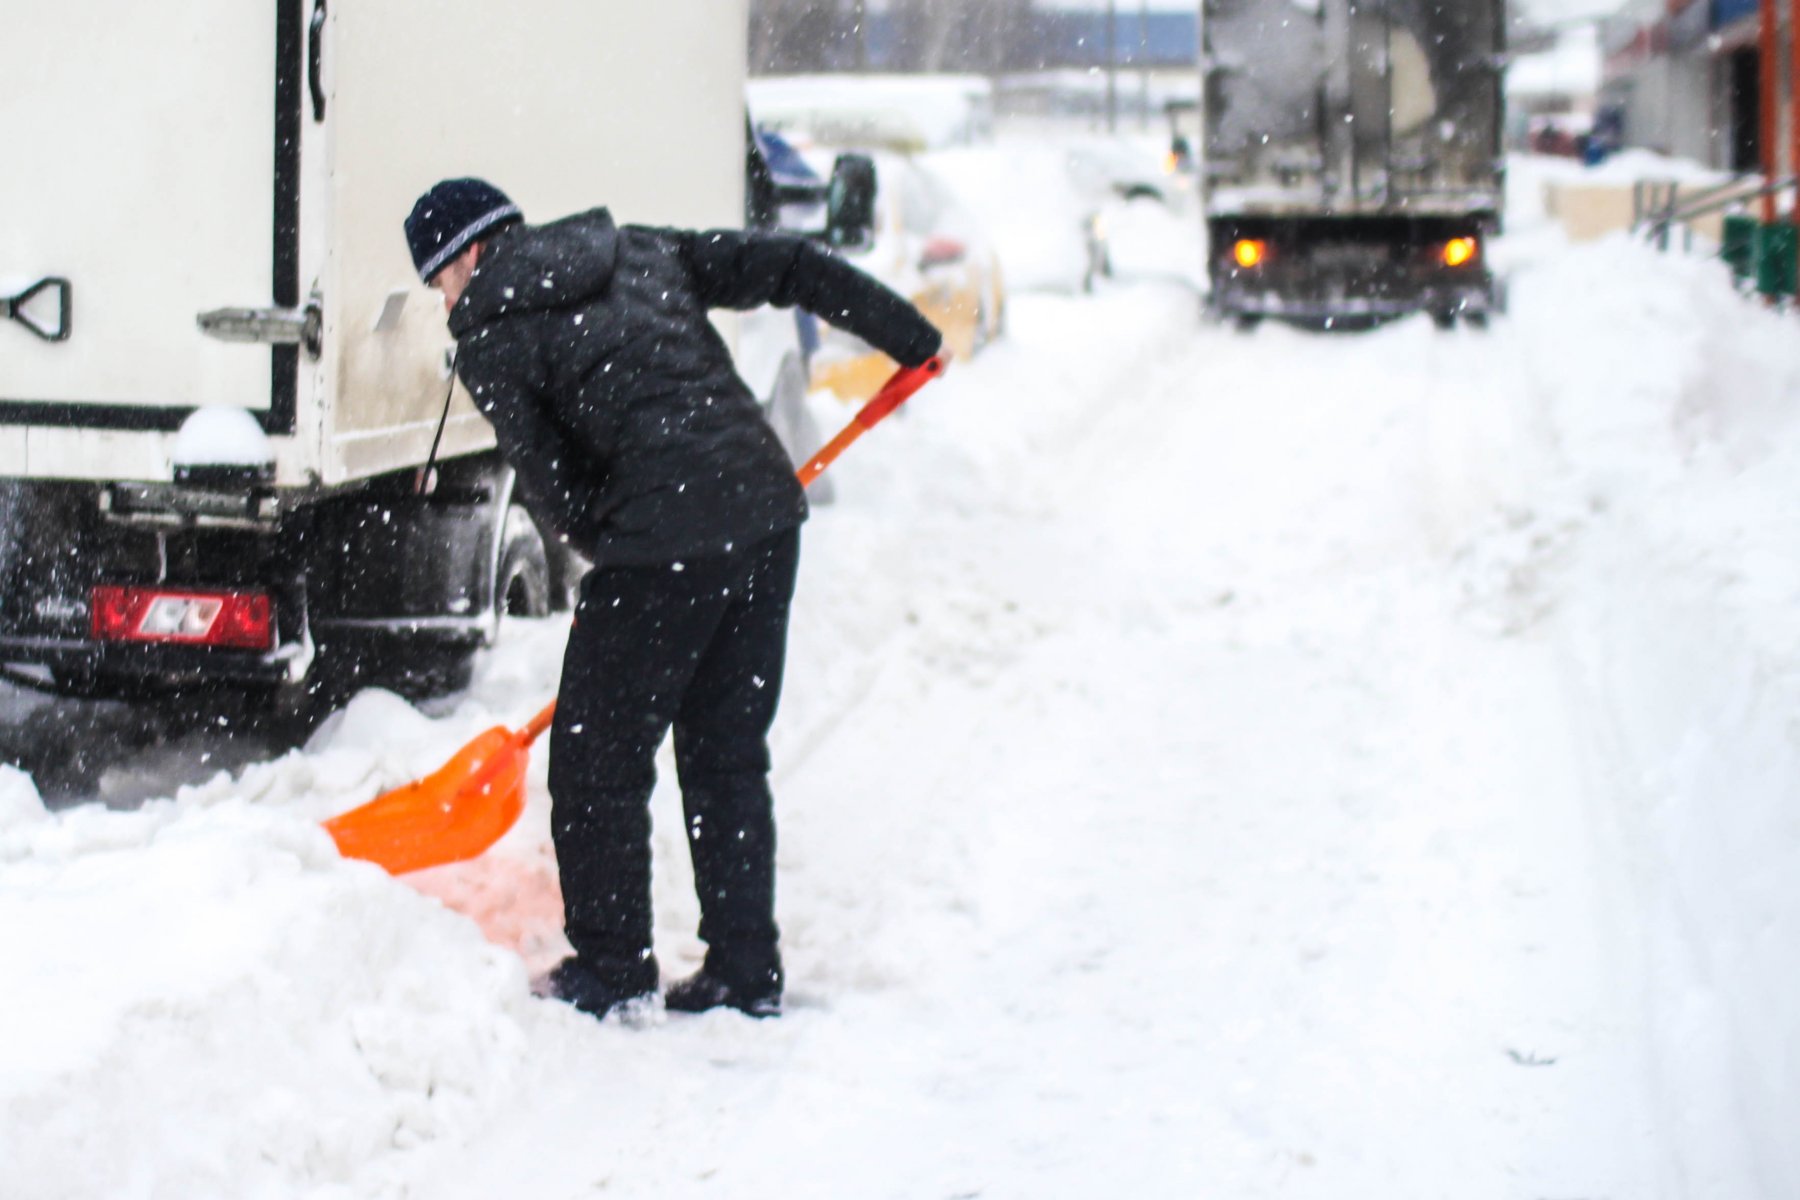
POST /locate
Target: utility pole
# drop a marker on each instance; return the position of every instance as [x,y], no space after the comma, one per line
[1771,108]
[1112,64]
[1794,98]
[1144,64]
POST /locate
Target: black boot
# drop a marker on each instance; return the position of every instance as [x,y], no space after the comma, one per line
[602,988]
[755,993]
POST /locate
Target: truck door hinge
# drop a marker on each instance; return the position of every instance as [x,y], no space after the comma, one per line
[268,326]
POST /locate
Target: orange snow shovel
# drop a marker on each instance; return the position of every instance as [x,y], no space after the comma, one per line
[468,804]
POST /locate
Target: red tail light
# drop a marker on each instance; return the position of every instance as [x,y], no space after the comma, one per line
[241,620]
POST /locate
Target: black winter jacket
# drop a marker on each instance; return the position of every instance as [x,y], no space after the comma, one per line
[588,348]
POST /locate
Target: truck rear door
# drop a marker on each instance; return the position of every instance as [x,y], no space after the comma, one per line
[160,178]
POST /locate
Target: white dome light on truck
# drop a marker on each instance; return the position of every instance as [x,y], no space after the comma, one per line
[1249,253]
[1460,252]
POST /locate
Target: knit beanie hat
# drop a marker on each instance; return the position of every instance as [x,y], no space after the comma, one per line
[450,216]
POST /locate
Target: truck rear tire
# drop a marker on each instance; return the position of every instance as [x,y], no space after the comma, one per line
[522,582]
[521,589]
[421,665]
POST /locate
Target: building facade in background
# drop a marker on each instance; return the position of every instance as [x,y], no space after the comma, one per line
[960,36]
[1684,77]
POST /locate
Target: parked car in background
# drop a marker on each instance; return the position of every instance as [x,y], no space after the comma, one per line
[1134,168]
[926,245]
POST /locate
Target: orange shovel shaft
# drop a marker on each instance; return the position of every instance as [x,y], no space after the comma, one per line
[535,727]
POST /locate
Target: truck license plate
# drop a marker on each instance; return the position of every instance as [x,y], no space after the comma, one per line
[1348,256]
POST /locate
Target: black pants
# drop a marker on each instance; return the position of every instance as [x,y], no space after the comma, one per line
[698,644]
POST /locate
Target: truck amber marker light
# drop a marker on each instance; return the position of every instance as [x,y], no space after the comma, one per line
[1460,252]
[242,620]
[1250,252]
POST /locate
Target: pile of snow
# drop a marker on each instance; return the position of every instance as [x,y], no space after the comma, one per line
[223,436]
[205,1000]
[20,803]
[208,1001]
[1670,400]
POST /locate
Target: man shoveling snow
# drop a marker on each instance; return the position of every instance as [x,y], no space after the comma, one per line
[587,346]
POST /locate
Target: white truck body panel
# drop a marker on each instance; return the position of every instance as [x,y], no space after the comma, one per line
[172,208]
[136,162]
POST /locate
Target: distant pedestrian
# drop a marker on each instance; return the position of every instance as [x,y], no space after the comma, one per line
[588,347]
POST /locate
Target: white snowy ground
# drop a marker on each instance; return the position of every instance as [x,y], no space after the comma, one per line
[1210,765]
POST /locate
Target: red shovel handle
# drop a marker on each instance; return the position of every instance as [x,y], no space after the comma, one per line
[901,385]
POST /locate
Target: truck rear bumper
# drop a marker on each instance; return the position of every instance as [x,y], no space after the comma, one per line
[1480,301]
[70,659]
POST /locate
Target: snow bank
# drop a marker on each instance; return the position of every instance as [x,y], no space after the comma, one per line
[208,1002]
[20,804]
[1670,400]
[204,1000]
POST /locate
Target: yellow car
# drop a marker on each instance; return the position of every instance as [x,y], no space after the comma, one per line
[926,246]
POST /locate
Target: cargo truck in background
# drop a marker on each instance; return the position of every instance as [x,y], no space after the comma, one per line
[1351,158]
[220,378]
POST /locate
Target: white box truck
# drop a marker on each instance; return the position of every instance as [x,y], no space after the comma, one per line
[219,375]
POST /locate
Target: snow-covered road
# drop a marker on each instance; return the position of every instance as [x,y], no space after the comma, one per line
[1211,765]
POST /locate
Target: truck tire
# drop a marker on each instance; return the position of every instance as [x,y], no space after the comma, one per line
[567,568]
[422,667]
[521,589]
[522,581]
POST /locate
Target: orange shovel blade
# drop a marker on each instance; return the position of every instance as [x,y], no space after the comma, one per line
[450,816]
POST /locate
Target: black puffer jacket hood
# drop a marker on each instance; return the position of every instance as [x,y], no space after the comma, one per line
[613,396]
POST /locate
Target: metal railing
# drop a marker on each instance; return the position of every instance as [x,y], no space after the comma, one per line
[1656,208]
